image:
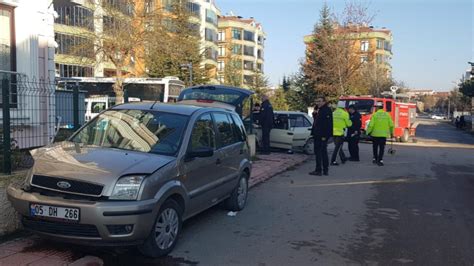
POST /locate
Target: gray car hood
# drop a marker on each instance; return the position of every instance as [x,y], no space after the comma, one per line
[94,164]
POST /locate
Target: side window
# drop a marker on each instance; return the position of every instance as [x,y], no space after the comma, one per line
[296,121]
[388,106]
[203,135]
[238,128]
[97,107]
[281,122]
[224,128]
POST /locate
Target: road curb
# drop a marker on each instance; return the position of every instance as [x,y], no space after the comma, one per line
[270,168]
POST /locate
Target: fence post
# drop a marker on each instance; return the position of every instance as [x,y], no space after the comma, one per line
[75,107]
[125,95]
[7,155]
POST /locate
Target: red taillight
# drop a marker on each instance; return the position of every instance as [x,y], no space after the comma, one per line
[204,101]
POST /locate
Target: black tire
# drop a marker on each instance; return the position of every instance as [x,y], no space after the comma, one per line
[234,202]
[151,247]
[309,146]
[406,136]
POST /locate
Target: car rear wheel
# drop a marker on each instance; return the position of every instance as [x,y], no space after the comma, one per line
[238,197]
[309,146]
[165,231]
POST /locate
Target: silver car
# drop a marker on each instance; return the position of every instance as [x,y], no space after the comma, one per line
[134,173]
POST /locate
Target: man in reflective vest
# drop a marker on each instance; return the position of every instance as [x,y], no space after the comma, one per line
[341,121]
[380,128]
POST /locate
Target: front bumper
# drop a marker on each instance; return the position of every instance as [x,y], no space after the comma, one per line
[103,215]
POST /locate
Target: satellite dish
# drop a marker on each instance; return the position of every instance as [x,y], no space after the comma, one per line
[394,89]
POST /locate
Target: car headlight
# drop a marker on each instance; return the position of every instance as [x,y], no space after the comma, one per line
[127,188]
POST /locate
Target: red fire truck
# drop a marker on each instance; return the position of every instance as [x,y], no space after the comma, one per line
[403,114]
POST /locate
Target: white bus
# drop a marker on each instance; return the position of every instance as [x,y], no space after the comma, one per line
[100,94]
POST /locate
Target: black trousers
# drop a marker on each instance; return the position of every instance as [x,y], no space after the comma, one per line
[354,147]
[321,152]
[338,142]
[266,139]
[378,147]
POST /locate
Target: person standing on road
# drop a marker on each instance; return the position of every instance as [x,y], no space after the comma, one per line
[266,119]
[353,133]
[380,128]
[321,132]
[341,122]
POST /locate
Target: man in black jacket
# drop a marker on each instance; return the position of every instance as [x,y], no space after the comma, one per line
[266,118]
[353,133]
[321,132]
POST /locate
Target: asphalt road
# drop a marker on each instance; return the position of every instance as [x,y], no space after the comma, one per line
[417,210]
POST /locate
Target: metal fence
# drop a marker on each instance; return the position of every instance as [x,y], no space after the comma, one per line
[35,113]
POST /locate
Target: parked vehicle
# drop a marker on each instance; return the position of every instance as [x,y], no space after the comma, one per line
[403,114]
[291,131]
[132,175]
[438,117]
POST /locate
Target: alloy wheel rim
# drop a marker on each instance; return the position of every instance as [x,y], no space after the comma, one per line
[166,228]
[242,192]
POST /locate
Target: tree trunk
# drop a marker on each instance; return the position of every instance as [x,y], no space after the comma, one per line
[118,87]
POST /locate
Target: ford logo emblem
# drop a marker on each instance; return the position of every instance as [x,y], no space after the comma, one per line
[63,184]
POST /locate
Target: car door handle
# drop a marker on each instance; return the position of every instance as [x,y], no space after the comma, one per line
[218,161]
[309,129]
[241,151]
[290,133]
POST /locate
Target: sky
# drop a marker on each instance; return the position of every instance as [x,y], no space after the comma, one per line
[433,40]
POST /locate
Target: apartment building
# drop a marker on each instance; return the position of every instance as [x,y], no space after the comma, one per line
[242,41]
[78,17]
[370,44]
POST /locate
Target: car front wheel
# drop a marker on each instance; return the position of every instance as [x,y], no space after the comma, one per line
[238,197]
[165,231]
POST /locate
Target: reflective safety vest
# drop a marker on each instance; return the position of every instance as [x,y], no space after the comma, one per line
[341,121]
[380,125]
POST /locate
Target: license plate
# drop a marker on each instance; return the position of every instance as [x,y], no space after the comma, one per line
[70,214]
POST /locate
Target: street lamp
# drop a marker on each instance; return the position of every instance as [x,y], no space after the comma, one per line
[189,67]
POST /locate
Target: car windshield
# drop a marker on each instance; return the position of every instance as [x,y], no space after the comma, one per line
[362,106]
[136,130]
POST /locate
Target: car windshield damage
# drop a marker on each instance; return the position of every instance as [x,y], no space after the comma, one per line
[135,130]
[363,106]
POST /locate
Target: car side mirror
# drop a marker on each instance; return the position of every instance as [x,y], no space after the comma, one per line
[201,153]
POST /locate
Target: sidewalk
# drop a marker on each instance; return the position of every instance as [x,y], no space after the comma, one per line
[33,251]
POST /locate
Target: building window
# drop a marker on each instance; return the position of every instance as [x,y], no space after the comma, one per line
[236,34]
[211,17]
[248,79]
[249,36]
[260,67]
[260,54]
[248,65]
[7,39]
[74,45]
[211,35]
[74,71]
[387,46]
[237,49]
[249,50]
[364,46]
[221,51]
[261,39]
[380,43]
[212,54]
[74,15]
[221,36]
[379,58]
[194,8]
[220,66]
[364,59]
